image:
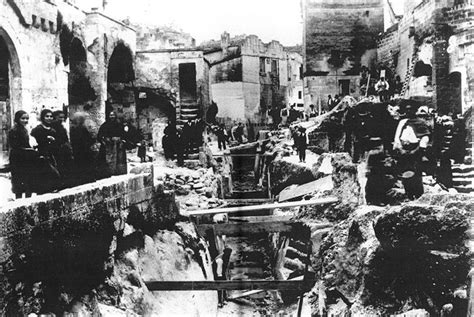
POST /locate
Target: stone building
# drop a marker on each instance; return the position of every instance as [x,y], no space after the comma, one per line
[295,80]
[172,79]
[248,78]
[431,50]
[54,54]
[340,37]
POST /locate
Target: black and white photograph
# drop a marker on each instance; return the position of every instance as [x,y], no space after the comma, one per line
[213,158]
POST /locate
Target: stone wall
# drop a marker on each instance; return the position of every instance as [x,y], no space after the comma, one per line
[34,33]
[67,241]
[335,26]
[253,89]
[339,38]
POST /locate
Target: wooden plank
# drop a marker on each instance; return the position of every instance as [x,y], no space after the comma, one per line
[243,229]
[320,201]
[257,291]
[322,184]
[248,201]
[289,285]
[260,218]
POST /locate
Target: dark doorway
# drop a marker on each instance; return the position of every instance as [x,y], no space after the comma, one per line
[120,89]
[79,87]
[344,85]
[455,93]
[187,81]
[5,115]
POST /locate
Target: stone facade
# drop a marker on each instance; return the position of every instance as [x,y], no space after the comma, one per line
[248,77]
[339,38]
[434,34]
[172,79]
[295,79]
[44,40]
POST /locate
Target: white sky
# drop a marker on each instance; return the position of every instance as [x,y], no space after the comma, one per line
[208,19]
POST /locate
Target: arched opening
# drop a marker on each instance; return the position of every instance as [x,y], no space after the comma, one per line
[155,109]
[9,90]
[455,93]
[79,88]
[120,89]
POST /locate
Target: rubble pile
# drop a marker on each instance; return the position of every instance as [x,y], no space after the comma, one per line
[389,260]
[195,189]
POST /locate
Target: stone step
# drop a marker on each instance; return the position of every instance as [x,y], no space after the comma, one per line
[469,174]
[462,181]
[462,168]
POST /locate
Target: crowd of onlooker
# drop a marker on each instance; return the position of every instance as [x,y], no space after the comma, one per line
[400,141]
[50,158]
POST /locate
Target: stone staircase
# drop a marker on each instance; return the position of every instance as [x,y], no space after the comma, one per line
[463,174]
[188,110]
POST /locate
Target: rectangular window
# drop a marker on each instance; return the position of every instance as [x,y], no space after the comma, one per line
[300,94]
[344,85]
[274,69]
[262,65]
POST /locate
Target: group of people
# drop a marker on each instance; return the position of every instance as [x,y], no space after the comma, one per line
[401,142]
[179,142]
[54,159]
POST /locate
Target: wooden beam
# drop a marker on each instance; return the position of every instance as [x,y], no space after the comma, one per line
[248,201]
[320,201]
[257,291]
[243,229]
[226,285]
[260,218]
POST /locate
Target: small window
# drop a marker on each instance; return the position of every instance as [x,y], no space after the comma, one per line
[367,13]
[275,66]
[300,94]
[262,65]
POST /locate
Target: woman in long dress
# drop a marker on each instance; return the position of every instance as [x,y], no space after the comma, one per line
[45,136]
[23,157]
[81,142]
[112,154]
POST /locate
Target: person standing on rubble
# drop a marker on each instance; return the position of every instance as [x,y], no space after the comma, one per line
[411,141]
[382,88]
[301,144]
[221,137]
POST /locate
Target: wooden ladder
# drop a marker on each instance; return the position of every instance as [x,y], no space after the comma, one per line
[410,71]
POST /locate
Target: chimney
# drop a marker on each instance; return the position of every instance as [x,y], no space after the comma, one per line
[225,41]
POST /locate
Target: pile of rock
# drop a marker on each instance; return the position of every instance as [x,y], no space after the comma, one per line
[195,189]
[184,182]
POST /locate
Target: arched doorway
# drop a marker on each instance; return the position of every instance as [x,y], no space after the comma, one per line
[120,89]
[80,90]
[9,90]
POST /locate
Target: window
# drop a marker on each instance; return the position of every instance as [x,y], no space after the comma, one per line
[274,68]
[300,94]
[344,86]
[262,65]
[367,13]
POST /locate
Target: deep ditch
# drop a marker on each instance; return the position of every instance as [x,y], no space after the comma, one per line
[367,260]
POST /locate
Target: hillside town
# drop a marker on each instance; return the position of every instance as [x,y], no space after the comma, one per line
[144,173]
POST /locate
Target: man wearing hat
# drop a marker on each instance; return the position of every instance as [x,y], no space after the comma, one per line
[411,140]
